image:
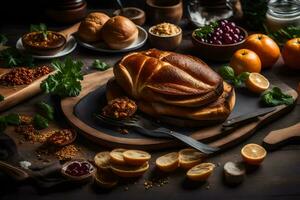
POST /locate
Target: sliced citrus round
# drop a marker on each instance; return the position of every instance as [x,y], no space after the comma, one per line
[129,170]
[200,172]
[136,157]
[253,154]
[105,179]
[116,156]
[189,157]
[168,162]
[102,160]
[257,83]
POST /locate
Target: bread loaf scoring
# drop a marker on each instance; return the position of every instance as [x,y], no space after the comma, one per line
[167,77]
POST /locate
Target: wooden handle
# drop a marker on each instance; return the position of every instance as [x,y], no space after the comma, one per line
[14,172]
[69,31]
[278,137]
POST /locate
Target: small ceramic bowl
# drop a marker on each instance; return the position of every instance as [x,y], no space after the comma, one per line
[159,11]
[136,15]
[162,42]
[217,52]
[82,178]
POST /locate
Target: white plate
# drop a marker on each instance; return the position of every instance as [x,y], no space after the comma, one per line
[139,42]
[70,46]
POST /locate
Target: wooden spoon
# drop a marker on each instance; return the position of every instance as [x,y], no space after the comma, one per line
[55,48]
[15,172]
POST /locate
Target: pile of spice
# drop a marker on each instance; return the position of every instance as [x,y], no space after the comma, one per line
[165,29]
[155,181]
[67,152]
[23,75]
[61,137]
[120,108]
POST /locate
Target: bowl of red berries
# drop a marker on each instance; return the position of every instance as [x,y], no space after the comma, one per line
[219,40]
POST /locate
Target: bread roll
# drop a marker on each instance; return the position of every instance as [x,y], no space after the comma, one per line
[167,77]
[119,32]
[90,28]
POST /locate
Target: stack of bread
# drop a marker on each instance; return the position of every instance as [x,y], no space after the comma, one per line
[175,88]
[117,32]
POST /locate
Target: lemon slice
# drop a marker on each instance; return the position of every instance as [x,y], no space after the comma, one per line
[102,160]
[189,157]
[116,156]
[105,179]
[257,83]
[127,171]
[136,157]
[253,154]
[200,172]
[168,162]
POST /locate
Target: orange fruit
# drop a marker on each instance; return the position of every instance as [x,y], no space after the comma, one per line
[116,156]
[200,172]
[168,162]
[189,157]
[266,48]
[245,60]
[127,171]
[102,160]
[291,53]
[257,83]
[253,154]
[136,157]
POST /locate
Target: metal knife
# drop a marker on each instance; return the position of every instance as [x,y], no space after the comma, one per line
[247,117]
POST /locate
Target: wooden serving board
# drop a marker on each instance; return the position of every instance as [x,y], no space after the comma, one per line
[79,112]
[15,94]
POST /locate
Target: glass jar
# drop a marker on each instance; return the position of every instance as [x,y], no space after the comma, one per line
[282,13]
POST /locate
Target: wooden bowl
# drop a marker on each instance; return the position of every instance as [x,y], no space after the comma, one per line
[167,43]
[82,178]
[136,15]
[217,52]
[159,11]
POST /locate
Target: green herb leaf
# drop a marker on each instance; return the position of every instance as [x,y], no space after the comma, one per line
[3,123]
[102,66]
[276,97]
[66,81]
[42,28]
[40,122]
[13,58]
[205,30]
[285,34]
[46,110]
[1,97]
[228,74]
[3,39]
[13,119]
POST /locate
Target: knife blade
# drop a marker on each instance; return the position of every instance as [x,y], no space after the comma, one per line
[246,117]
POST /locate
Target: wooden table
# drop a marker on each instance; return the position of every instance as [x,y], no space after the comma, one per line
[277,178]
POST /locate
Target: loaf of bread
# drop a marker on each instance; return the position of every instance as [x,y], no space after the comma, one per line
[167,77]
[90,28]
[119,32]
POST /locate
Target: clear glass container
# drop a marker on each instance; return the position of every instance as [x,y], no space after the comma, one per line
[282,13]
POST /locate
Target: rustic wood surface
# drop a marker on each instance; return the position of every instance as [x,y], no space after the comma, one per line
[278,177]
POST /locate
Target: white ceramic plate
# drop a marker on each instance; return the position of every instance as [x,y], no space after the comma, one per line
[139,42]
[70,46]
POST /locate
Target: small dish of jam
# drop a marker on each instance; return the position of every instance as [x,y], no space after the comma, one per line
[78,170]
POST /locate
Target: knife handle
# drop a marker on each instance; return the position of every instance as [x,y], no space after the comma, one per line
[14,172]
[278,137]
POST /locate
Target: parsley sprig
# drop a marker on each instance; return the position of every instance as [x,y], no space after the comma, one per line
[204,31]
[99,65]
[13,58]
[275,97]
[10,119]
[229,75]
[282,35]
[42,28]
[66,81]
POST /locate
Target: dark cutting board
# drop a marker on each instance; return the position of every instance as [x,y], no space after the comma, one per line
[80,110]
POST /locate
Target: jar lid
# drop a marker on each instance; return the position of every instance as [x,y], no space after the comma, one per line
[284,8]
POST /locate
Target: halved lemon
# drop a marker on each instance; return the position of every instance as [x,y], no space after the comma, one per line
[200,172]
[127,171]
[168,162]
[116,156]
[136,157]
[253,154]
[257,83]
[189,157]
[102,160]
[105,179]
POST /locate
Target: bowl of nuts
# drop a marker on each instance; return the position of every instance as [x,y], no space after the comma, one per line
[219,40]
[165,36]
